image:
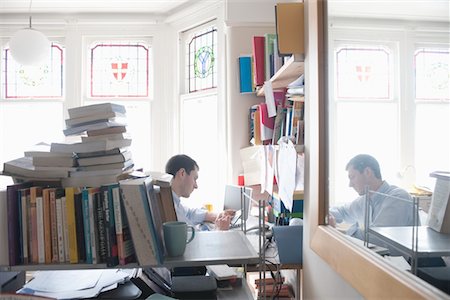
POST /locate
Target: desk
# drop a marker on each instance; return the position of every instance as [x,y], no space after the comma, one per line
[216,247]
[430,243]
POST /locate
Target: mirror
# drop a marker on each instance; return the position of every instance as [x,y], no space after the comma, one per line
[388,93]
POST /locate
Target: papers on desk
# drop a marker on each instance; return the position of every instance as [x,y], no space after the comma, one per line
[398,262]
[74,283]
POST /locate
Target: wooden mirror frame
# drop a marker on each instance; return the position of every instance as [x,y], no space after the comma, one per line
[363,269]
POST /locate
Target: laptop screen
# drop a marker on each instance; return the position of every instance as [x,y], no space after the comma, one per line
[234,199]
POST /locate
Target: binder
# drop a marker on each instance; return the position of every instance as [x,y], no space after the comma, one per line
[290,27]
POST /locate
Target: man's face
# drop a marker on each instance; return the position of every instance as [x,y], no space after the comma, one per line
[188,182]
[357,180]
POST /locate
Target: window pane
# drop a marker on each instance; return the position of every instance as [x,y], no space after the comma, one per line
[202,51]
[370,128]
[432,74]
[40,81]
[432,141]
[200,141]
[363,73]
[119,70]
[25,124]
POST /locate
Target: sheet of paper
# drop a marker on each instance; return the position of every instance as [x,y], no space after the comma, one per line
[287,166]
[300,173]
[270,100]
[269,154]
[62,281]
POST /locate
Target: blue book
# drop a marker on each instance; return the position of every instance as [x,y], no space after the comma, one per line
[245,74]
[86,225]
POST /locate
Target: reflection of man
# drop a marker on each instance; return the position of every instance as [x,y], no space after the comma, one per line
[364,171]
[185,173]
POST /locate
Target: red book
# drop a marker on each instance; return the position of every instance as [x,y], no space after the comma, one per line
[258,60]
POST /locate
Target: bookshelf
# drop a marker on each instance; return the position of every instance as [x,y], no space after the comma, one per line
[290,71]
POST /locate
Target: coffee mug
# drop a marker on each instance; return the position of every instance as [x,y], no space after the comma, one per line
[175,237]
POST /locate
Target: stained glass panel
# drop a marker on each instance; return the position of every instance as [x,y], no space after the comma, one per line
[34,81]
[202,52]
[432,74]
[119,70]
[363,73]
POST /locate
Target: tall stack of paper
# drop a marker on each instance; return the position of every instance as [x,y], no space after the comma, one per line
[439,213]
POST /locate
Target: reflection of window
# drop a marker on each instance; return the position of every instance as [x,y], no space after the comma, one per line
[119,70]
[202,51]
[363,72]
[432,74]
[44,80]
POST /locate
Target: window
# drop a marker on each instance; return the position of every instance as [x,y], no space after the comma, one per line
[202,120]
[202,50]
[31,108]
[120,71]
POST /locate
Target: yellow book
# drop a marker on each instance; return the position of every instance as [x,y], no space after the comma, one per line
[71,224]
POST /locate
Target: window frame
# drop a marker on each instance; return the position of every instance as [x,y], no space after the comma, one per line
[367,272]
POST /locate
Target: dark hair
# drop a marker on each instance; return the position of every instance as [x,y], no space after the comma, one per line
[180,161]
[362,161]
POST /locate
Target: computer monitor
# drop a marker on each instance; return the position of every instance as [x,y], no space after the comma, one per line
[232,199]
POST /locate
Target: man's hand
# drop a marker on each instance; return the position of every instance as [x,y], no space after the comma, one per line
[331,220]
[223,219]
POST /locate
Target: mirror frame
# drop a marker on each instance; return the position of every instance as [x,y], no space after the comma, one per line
[363,269]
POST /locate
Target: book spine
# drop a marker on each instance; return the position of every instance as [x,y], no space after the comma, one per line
[150,222]
[65,229]
[53,226]
[92,226]
[112,258]
[71,225]
[47,226]
[118,225]
[13,226]
[100,226]
[33,222]
[245,74]
[79,227]
[59,220]
[86,225]
[24,199]
[40,229]
[129,253]
[258,60]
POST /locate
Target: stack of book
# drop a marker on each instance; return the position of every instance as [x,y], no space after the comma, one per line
[103,155]
[39,163]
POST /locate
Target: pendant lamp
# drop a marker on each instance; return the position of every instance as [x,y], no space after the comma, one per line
[29,46]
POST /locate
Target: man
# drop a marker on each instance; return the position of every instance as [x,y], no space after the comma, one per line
[185,174]
[388,205]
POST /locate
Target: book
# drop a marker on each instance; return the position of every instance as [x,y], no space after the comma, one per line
[105,116]
[53,161]
[40,227]
[163,190]
[221,272]
[35,193]
[105,159]
[112,256]
[104,131]
[13,221]
[95,109]
[245,74]
[101,153]
[102,170]
[100,145]
[269,55]
[24,195]
[53,225]
[92,181]
[99,227]
[290,28]
[23,166]
[47,226]
[439,212]
[71,224]
[267,123]
[277,59]
[93,224]
[125,249]
[59,195]
[125,165]
[79,226]
[86,222]
[112,136]
[156,215]
[258,60]
[92,126]
[65,227]
[43,150]
[135,201]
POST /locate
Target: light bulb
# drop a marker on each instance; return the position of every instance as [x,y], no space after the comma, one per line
[29,46]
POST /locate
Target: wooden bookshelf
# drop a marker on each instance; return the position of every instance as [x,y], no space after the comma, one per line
[290,71]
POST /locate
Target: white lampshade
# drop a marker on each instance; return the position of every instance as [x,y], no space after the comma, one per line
[29,46]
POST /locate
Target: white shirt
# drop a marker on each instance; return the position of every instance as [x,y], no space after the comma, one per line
[191,216]
[384,211]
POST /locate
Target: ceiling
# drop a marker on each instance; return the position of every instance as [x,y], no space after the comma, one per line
[91,6]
